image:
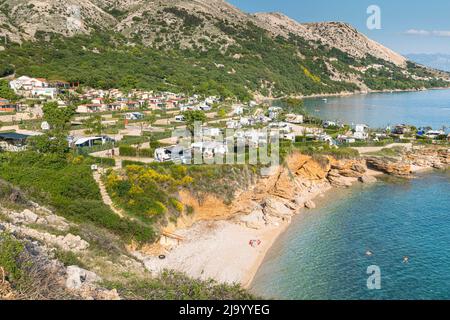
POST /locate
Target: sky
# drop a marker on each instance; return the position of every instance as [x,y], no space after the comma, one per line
[414,26]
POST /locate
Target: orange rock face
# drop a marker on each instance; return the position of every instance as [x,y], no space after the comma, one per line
[387,166]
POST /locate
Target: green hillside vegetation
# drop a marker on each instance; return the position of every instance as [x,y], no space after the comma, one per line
[69,188]
[267,65]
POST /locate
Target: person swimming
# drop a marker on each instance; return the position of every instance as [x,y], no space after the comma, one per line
[405,259]
[369,253]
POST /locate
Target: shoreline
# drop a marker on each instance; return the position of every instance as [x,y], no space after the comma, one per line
[347,94]
[220,250]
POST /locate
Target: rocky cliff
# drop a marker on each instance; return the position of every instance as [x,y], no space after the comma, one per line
[280,196]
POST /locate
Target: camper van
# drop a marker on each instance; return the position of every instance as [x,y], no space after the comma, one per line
[179,118]
[134,116]
[173,153]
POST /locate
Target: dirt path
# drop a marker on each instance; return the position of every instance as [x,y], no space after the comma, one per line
[105,196]
[119,159]
[363,150]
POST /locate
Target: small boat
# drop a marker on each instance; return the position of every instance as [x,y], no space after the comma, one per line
[325,100]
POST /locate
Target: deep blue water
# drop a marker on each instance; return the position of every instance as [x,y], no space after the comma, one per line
[323,253]
[424,108]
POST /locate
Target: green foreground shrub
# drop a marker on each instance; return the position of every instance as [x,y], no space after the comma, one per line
[71,190]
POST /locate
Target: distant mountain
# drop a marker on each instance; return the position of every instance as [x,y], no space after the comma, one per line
[438,61]
[207,46]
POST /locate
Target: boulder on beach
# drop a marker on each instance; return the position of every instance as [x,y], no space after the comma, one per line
[310,204]
[254,220]
[368,179]
[276,208]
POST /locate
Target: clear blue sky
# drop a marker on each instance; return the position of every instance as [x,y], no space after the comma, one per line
[414,26]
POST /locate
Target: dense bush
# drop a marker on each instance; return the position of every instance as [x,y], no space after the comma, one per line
[129,151]
[6,70]
[70,189]
[171,285]
[147,193]
[104,161]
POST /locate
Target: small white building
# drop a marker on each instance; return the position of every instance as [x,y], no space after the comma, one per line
[361,132]
[328,124]
[27,84]
[90,108]
[244,121]
[295,118]
[434,134]
[44,92]
[238,110]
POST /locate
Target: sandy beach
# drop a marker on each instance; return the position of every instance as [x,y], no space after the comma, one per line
[222,250]
[218,250]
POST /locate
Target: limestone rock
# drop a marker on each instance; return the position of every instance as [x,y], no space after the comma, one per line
[300,201]
[29,216]
[308,168]
[276,208]
[350,173]
[77,277]
[74,242]
[254,220]
[368,179]
[284,186]
[57,222]
[339,181]
[310,204]
[358,167]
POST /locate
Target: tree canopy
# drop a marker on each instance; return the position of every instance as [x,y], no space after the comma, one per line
[191,117]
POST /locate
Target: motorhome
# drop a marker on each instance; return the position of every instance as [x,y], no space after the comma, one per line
[174,153]
[134,116]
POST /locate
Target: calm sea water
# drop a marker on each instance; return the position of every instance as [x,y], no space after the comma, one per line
[424,108]
[323,253]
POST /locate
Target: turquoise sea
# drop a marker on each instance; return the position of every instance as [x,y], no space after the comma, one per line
[323,254]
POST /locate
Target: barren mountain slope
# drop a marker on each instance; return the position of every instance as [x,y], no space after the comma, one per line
[66,17]
[334,34]
[348,39]
[184,22]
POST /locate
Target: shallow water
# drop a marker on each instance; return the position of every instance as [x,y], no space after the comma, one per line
[423,108]
[323,253]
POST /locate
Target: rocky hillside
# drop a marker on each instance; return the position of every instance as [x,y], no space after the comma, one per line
[41,258]
[148,19]
[247,49]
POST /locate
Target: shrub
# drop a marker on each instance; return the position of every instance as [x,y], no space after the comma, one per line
[10,253]
[170,285]
[110,162]
[127,151]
